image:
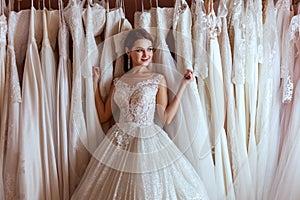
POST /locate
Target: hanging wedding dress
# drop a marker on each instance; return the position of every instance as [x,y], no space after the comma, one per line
[269,102]
[3,100]
[63,102]
[283,18]
[243,167]
[251,81]
[215,82]
[3,39]
[18,23]
[189,129]
[49,69]
[93,126]
[137,159]
[114,20]
[79,154]
[286,181]
[200,47]
[38,179]
[49,72]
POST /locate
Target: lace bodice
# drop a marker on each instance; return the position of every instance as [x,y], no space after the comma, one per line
[137,102]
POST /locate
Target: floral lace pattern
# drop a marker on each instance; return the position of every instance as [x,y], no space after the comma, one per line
[121,139]
[137,102]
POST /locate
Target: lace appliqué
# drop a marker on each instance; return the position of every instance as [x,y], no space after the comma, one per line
[294,27]
[137,102]
[3,29]
[288,86]
[121,139]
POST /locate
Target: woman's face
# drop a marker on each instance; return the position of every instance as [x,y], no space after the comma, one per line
[141,52]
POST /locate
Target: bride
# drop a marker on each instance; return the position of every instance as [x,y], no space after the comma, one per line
[137,159]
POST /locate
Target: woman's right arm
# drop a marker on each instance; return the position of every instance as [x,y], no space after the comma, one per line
[104,110]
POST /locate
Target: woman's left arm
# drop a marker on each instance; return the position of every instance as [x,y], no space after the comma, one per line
[167,111]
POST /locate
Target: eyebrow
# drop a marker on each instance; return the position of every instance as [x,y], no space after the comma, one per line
[142,47]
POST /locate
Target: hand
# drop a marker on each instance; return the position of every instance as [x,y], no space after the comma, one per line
[188,76]
[96,75]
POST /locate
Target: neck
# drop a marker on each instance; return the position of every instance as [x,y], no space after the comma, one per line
[137,69]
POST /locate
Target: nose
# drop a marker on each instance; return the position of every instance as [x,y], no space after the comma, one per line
[145,52]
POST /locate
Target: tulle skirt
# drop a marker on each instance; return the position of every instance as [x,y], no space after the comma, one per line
[139,162]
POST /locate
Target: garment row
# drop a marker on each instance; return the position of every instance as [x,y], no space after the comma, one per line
[234,127]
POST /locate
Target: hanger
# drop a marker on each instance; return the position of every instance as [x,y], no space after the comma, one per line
[107,5]
[19,5]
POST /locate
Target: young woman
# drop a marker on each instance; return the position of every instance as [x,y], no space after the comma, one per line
[137,159]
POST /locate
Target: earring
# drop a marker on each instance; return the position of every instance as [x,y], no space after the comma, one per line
[128,65]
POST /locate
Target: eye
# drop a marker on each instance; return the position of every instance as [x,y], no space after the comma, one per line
[150,49]
[139,50]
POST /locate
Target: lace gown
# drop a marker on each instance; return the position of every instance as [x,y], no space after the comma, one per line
[286,181]
[12,99]
[215,82]
[189,129]
[3,102]
[63,106]
[268,105]
[79,154]
[92,57]
[3,39]
[242,167]
[283,19]
[137,160]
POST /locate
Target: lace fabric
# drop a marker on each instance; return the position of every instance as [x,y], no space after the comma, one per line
[138,156]
[137,102]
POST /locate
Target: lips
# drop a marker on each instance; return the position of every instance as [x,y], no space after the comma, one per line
[145,59]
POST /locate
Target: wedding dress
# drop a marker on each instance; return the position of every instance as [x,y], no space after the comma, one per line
[114,20]
[12,102]
[63,103]
[3,101]
[189,129]
[3,39]
[215,82]
[283,19]
[268,105]
[79,154]
[137,159]
[242,164]
[38,178]
[92,57]
[287,177]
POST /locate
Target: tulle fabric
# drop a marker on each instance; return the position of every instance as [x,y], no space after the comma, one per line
[137,159]
[149,167]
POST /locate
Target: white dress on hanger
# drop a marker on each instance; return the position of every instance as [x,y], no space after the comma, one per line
[286,181]
[137,159]
[38,179]
[114,19]
[12,99]
[242,168]
[200,47]
[268,105]
[3,102]
[92,57]
[49,69]
[251,80]
[3,39]
[79,154]
[283,19]
[63,103]
[215,81]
